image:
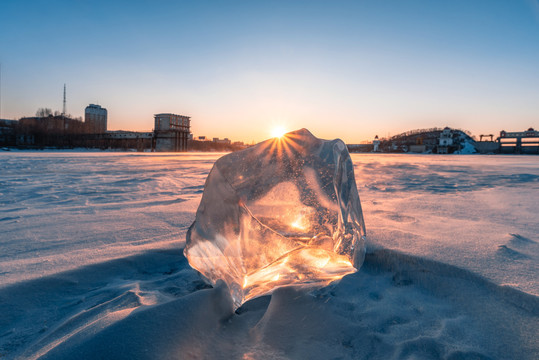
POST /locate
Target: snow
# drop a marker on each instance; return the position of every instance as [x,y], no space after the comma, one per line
[92,266]
[467,148]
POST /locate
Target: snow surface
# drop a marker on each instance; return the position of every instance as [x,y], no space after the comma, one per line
[92,266]
[468,148]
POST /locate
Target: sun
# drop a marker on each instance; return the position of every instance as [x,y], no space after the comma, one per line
[278,132]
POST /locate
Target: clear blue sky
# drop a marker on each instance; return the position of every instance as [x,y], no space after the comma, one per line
[348,69]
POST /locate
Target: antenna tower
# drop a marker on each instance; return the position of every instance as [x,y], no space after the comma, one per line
[64,109]
[0,90]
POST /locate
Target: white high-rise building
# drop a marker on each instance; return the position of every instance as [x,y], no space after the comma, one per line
[95,119]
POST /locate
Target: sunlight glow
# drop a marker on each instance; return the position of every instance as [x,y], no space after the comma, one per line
[300,223]
[278,132]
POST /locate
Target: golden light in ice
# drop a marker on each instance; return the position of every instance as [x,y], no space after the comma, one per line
[292,217]
[300,223]
[278,132]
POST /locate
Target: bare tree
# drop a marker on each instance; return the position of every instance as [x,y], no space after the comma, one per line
[43,112]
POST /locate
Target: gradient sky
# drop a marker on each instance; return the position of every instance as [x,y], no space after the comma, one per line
[347,69]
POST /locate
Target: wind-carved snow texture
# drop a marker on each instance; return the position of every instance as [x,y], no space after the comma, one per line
[283,212]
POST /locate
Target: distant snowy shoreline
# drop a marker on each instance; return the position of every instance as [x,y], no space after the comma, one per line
[134,151]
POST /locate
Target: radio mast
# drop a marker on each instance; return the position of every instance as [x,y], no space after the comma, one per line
[0,90]
[64,109]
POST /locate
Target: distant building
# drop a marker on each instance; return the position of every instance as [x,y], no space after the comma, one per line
[418,147]
[95,119]
[446,140]
[8,132]
[140,141]
[59,131]
[171,132]
[360,148]
[376,144]
[520,142]
[226,141]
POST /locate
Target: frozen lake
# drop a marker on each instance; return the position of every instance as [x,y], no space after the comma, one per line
[64,211]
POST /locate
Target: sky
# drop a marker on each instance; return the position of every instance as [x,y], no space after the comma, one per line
[342,69]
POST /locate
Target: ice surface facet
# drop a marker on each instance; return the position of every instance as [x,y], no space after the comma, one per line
[283,212]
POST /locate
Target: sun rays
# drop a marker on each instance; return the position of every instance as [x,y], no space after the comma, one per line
[284,145]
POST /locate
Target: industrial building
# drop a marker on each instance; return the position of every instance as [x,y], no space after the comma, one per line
[519,142]
[171,132]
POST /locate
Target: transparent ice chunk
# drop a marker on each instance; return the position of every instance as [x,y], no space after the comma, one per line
[283,212]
